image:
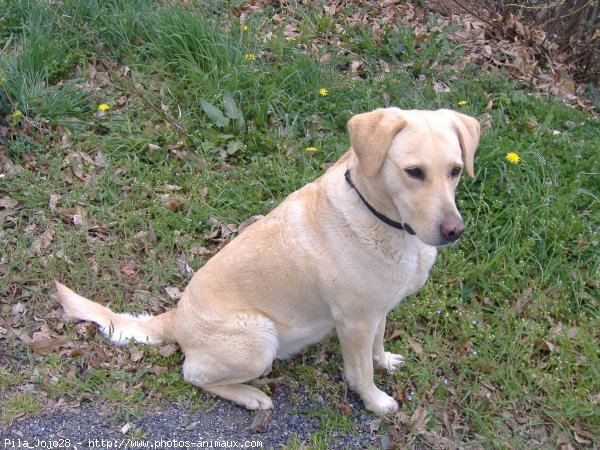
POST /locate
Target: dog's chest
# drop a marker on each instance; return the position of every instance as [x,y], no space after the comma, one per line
[394,270]
[413,269]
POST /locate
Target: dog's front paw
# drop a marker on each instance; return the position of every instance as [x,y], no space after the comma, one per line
[389,361]
[380,403]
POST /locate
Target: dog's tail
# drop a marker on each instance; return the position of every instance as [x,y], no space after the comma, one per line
[119,328]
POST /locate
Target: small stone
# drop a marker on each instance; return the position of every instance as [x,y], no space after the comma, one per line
[386,443]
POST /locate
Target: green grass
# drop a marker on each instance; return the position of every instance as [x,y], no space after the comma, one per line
[19,404]
[508,322]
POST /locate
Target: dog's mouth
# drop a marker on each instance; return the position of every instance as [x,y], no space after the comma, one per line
[450,240]
[445,243]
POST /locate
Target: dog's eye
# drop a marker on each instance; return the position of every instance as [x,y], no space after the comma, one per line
[456,171]
[415,172]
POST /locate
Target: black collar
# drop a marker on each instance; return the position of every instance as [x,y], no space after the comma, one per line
[382,217]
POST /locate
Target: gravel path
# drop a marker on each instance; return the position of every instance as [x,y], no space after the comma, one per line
[178,428]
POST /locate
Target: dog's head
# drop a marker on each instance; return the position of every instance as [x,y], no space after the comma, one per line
[409,164]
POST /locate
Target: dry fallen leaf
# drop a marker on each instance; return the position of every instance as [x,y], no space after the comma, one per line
[18,308]
[556,329]
[173,203]
[136,355]
[42,242]
[45,346]
[167,350]
[203,195]
[419,419]
[246,223]
[129,268]
[228,229]
[440,87]
[346,409]
[91,329]
[159,371]
[374,426]
[415,346]
[76,353]
[76,216]
[171,187]
[14,279]
[581,435]
[100,160]
[485,368]
[355,65]
[54,198]
[173,292]
[543,345]
[7,203]
[261,421]
[187,271]
[564,441]
[399,331]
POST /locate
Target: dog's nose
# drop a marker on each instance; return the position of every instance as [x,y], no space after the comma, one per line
[452,230]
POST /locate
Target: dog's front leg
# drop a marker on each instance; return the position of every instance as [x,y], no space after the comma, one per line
[356,339]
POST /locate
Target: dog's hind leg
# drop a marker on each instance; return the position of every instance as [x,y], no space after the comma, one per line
[242,394]
[225,380]
[219,363]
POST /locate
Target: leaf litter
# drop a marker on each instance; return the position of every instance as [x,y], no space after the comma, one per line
[512,43]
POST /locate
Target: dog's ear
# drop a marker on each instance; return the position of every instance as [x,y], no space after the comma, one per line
[371,135]
[468,131]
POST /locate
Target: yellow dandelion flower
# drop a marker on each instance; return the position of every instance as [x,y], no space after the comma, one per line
[513,158]
[103,107]
[250,56]
[462,102]
[323,92]
[311,149]
[245,28]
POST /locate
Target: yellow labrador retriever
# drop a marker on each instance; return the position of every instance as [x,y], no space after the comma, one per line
[339,253]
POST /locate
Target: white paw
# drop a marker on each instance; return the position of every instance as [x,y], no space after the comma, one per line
[390,362]
[380,403]
[256,400]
